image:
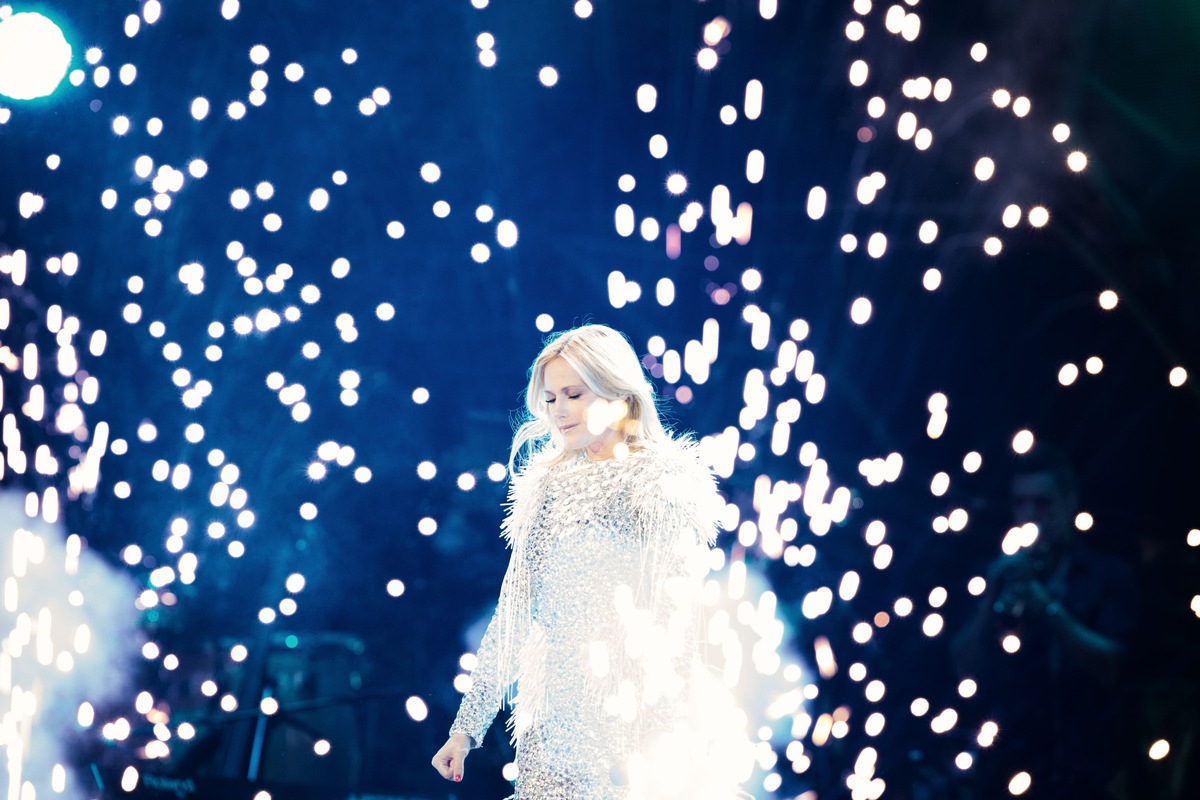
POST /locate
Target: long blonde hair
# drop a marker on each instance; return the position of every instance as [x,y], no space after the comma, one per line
[608,365]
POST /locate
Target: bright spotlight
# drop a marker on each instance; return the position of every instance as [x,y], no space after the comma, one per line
[34,56]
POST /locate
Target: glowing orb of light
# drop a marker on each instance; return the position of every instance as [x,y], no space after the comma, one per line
[34,56]
[860,311]
[416,708]
[985,168]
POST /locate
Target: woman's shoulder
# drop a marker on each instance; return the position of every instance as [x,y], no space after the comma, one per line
[673,455]
[673,467]
[675,484]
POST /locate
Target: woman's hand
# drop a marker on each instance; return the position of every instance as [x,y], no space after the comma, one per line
[449,760]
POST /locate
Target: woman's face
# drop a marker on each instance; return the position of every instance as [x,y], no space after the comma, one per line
[571,405]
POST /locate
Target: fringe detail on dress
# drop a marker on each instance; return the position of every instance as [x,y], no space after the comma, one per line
[514,612]
[530,701]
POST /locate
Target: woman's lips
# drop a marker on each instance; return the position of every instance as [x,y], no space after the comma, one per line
[568,428]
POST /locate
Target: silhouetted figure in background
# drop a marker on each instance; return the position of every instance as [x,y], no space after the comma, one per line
[1072,609]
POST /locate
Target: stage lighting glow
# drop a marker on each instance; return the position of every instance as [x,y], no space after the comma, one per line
[755,166]
[1019,784]
[860,311]
[858,73]
[706,59]
[1177,376]
[416,709]
[753,103]
[876,245]
[1077,161]
[34,56]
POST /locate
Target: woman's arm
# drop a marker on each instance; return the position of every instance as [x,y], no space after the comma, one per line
[478,707]
[482,701]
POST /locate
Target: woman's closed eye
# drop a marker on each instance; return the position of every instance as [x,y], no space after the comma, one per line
[550,402]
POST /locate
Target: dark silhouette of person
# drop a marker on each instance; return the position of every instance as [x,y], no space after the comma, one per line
[1069,610]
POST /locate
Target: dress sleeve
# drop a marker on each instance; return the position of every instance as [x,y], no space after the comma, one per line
[483,701]
[495,667]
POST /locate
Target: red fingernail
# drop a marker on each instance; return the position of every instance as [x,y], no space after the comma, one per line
[458,777]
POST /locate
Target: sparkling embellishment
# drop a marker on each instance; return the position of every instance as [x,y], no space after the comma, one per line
[595,622]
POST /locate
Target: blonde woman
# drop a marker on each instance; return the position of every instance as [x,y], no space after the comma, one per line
[609,521]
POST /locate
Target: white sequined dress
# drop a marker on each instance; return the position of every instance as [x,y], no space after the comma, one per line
[596,624]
